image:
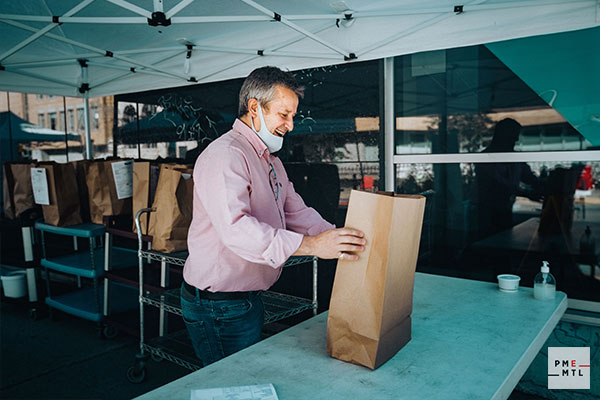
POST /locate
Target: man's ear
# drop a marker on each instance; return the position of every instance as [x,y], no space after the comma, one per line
[253,107]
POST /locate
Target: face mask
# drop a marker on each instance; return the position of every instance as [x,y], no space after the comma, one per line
[272,142]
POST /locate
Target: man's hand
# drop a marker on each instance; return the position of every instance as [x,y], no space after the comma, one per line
[339,243]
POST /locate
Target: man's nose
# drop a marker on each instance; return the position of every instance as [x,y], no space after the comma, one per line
[289,124]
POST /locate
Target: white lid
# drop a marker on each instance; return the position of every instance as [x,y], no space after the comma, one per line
[545,267]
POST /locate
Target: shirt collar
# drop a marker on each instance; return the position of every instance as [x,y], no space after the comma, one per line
[251,136]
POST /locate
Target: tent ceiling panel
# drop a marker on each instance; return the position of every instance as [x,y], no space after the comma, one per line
[114,35]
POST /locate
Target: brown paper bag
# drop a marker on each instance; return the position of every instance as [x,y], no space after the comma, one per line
[81,167]
[17,192]
[145,179]
[63,209]
[102,191]
[173,199]
[371,302]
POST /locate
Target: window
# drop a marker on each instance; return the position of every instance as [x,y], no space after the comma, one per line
[52,118]
[80,120]
[72,120]
[61,120]
[483,219]
[42,120]
[448,101]
[95,117]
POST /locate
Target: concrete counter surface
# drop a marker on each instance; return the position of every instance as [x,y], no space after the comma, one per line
[469,341]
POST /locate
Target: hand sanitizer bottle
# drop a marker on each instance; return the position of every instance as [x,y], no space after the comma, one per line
[544,284]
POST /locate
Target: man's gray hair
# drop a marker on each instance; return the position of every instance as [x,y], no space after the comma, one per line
[261,84]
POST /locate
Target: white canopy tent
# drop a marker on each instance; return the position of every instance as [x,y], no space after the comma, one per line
[92,48]
[48,45]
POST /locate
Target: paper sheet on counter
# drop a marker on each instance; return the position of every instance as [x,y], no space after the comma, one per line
[252,392]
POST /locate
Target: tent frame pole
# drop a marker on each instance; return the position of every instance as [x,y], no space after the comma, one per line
[389,123]
[86,118]
[10,138]
[66,129]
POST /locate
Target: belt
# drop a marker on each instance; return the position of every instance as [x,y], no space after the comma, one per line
[205,294]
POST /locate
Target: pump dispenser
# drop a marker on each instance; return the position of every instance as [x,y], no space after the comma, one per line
[544,284]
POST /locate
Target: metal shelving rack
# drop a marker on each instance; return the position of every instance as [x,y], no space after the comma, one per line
[176,347]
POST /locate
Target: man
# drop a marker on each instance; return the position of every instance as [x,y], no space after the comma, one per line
[248,220]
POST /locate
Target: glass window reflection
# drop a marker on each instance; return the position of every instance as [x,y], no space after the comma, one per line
[477,227]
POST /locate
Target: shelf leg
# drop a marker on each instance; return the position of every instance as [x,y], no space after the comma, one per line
[107,263]
[26,233]
[164,281]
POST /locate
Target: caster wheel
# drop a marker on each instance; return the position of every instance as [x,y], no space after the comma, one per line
[110,332]
[33,314]
[156,357]
[134,376]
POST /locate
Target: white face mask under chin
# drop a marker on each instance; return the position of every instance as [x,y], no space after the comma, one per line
[272,141]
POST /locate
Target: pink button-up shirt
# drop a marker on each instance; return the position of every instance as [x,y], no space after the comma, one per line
[247,219]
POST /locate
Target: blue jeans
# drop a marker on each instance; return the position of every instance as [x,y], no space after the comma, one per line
[218,328]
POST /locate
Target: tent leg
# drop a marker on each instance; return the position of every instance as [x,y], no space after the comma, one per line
[389,118]
[88,137]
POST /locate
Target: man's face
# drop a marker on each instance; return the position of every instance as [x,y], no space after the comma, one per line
[279,113]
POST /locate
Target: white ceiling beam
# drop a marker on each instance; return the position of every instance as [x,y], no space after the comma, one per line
[117,77]
[269,17]
[415,28]
[248,59]
[37,62]
[179,20]
[178,7]
[228,67]
[131,7]
[53,63]
[295,27]
[231,50]
[43,31]
[403,33]
[96,50]
[42,77]
[221,19]
[125,68]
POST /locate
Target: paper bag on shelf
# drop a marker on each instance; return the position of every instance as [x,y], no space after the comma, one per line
[81,167]
[145,179]
[55,188]
[371,302]
[109,184]
[17,191]
[173,199]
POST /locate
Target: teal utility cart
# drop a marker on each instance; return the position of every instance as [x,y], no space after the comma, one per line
[88,266]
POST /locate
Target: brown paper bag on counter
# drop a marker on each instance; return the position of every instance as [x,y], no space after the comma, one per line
[371,302]
[173,199]
[17,191]
[63,195]
[145,179]
[105,198]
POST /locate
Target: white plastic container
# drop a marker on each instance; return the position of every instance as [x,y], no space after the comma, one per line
[14,284]
[508,283]
[544,284]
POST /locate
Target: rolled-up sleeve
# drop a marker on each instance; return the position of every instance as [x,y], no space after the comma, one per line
[223,186]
